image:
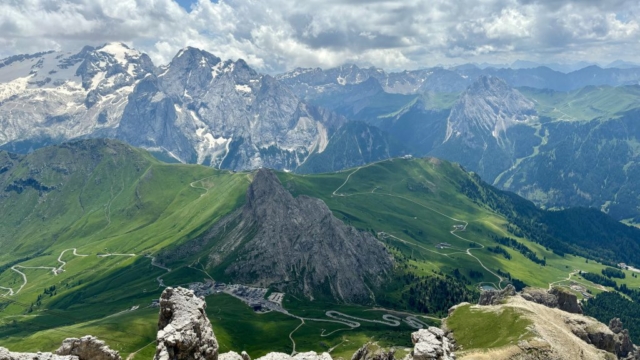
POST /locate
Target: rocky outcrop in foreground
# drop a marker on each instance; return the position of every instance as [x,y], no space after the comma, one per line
[496,297]
[311,355]
[558,328]
[554,298]
[371,352]
[232,355]
[184,331]
[84,348]
[8,355]
[87,347]
[432,343]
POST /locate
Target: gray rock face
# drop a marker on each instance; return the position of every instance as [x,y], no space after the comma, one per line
[231,355]
[311,355]
[495,297]
[624,348]
[223,114]
[432,343]
[566,301]
[540,296]
[198,109]
[7,355]
[478,126]
[599,336]
[184,331]
[299,239]
[294,244]
[489,104]
[370,352]
[58,95]
[554,298]
[87,348]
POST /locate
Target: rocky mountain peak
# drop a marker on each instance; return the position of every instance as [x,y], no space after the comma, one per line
[265,188]
[487,108]
[110,67]
[191,57]
[308,245]
[184,331]
[294,244]
[197,108]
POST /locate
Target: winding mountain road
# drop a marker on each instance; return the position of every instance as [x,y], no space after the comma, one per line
[54,270]
[452,232]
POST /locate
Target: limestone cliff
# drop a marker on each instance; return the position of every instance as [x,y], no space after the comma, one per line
[293,244]
[184,331]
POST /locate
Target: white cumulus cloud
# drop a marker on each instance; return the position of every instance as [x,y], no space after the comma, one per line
[275,35]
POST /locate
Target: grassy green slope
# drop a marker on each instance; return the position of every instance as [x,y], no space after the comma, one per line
[108,199]
[585,104]
[416,200]
[112,199]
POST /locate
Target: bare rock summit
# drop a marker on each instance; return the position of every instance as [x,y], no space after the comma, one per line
[184,331]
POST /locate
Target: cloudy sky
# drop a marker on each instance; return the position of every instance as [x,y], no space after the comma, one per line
[275,35]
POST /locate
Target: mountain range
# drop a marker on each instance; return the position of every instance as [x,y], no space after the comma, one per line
[558,139]
[197,109]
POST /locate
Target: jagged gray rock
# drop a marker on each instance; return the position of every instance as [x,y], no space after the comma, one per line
[369,351]
[616,325]
[540,296]
[624,348]
[224,114]
[478,124]
[87,348]
[294,244]
[567,301]
[8,355]
[184,331]
[495,297]
[231,355]
[432,343]
[554,298]
[311,355]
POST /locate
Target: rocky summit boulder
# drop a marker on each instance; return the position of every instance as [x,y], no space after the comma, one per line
[89,348]
[567,301]
[232,355]
[184,331]
[554,298]
[432,343]
[624,348]
[8,355]
[371,351]
[311,355]
[495,297]
[84,348]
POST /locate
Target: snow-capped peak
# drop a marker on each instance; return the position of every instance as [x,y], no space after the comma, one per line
[119,51]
